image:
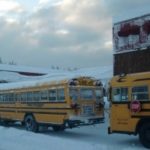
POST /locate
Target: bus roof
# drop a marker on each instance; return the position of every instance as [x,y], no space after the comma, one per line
[128,79]
[53,80]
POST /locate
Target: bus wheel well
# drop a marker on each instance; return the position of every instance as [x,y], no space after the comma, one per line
[141,123]
[28,114]
[30,123]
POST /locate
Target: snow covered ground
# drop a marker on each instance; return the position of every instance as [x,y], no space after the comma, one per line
[88,138]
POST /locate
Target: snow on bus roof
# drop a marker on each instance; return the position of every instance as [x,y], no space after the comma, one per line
[49,79]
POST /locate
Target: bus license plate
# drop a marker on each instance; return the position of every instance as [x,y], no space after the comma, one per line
[87,110]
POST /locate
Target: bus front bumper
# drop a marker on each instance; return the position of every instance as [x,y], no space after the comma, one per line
[120,132]
[83,121]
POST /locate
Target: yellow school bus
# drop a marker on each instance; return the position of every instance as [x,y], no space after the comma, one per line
[61,104]
[130,105]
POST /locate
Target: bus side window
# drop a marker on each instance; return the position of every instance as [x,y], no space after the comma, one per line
[1,98]
[36,96]
[52,95]
[124,94]
[140,93]
[29,96]
[44,95]
[98,94]
[60,94]
[116,94]
[11,97]
[74,94]
[120,94]
[6,97]
[23,97]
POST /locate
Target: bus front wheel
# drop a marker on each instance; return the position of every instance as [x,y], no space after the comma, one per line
[144,135]
[30,123]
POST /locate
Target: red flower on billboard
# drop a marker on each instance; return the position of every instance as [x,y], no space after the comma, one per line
[125,30]
[128,29]
[146,27]
[135,29]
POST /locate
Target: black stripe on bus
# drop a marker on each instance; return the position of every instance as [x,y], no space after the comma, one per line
[34,108]
[7,111]
[145,102]
[28,103]
[37,112]
[128,102]
[145,110]
[48,102]
[142,79]
[140,116]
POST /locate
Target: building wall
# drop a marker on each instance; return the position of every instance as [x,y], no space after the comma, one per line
[132,62]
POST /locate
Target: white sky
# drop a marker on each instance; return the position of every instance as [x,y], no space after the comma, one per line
[66,33]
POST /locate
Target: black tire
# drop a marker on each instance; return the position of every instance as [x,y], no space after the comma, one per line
[57,128]
[144,135]
[31,124]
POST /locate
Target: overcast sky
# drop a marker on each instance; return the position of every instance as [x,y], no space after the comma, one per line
[65,33]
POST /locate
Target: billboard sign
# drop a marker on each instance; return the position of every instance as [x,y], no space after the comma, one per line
[133,34]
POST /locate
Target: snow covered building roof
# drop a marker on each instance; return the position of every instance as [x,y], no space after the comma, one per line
[11,73]
[23,70]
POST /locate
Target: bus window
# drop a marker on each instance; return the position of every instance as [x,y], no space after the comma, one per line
[6,98]
[52,95]
[74,94]
[1,98]
[36,96]
[44,95]
[86,93]
[60,95]
[29,96]
[23,97]
[11,97]
[140,93]
[120,94]
[98,94]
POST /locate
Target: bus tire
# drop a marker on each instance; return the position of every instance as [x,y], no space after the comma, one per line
[144,135]
[31,124]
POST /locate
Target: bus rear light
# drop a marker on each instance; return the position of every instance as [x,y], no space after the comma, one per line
[74,106]
[100,105]
[73,82]
[97,83]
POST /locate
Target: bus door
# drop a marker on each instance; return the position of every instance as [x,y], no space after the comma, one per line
[119,112]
